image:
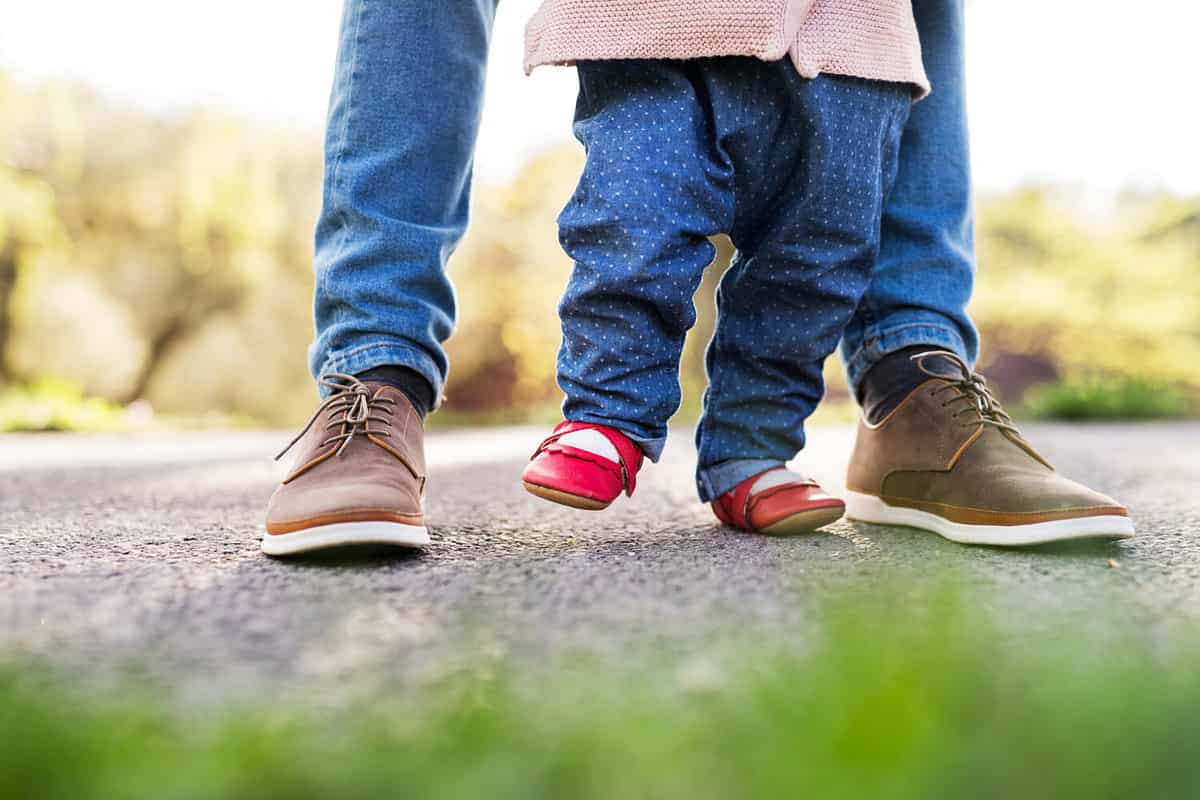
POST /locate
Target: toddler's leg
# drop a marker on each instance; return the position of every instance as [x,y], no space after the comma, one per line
[654,188]
[808,239]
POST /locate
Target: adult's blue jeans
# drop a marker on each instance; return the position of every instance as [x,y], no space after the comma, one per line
[403,117]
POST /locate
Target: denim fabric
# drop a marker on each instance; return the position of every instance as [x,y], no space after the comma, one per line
[923,281]
[403,116]
[794,170]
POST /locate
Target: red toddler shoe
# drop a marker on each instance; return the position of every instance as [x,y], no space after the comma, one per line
[779,502]
[583,466]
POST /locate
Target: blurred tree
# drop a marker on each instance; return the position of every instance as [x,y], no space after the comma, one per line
[1090,298]
[180,223]
[169,258]
[176,222]
[28,216]
[27,222]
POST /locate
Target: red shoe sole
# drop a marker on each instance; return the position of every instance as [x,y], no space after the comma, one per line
[805,521]
[565,498]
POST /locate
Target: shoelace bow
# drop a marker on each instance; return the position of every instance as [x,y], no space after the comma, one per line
[353,410]
[971,386]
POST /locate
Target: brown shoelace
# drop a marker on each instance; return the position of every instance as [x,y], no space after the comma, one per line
[969,386]
[352,408]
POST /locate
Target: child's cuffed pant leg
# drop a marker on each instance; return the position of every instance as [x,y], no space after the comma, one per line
[637,229]
[799,276]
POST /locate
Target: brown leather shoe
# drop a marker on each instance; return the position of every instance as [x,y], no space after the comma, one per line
[358,477]
[948,459]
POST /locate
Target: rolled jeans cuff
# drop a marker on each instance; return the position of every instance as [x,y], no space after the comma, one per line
[651,446]
[873,347]
[718,479]
[384,354]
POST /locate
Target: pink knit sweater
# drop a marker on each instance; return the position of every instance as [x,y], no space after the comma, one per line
[875,39]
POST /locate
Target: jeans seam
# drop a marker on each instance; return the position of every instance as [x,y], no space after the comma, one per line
[866,309]
[344,132]
[712,389]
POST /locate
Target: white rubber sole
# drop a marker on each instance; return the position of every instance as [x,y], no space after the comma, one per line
[868,508]
[344,533]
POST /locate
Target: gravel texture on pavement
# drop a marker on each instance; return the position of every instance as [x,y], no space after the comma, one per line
[140,552]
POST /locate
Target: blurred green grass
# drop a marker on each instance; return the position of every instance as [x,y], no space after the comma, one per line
[55,405]
[49,404]
[926,699]
[1108,397]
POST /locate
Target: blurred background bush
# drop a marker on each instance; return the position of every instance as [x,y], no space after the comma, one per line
[161,261]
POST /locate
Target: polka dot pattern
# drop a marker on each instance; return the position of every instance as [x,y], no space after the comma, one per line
[794,170]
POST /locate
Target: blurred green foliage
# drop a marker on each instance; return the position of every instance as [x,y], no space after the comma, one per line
[896,692]
[1108,294]
[50,404]
[1097,397]
[169,260]
[144,258]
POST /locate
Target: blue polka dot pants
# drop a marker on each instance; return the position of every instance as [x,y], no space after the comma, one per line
[794,170]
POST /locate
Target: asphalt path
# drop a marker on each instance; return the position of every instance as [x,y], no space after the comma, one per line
[139,553]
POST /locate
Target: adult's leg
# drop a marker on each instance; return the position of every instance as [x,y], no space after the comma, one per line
[925,273]
[936,451]
[403,117]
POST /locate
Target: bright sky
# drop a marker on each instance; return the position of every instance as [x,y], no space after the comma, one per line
[1095,94]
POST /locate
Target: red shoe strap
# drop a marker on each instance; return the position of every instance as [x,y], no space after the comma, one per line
[630,454]
[740,497]
[739,502]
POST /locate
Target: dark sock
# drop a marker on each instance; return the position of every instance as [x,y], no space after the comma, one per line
[892,379]
[409,381]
